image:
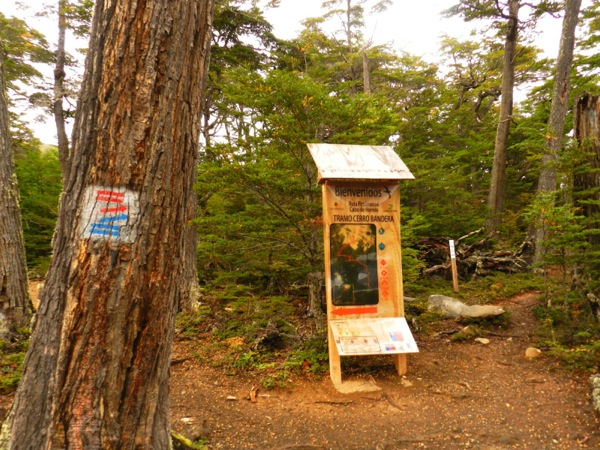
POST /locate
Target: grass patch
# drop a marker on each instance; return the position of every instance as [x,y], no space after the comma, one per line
[180,442]
[484,290]
[12,355]
[189,324]
[571,333]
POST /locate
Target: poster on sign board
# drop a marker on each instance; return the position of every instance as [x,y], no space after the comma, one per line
[354,264]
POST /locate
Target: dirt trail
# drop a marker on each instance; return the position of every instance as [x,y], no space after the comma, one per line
[463,395]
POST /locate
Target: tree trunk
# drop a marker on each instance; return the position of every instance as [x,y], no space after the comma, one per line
[96,374]
[316,301]
[547,183]
[15,305]
[59,91]
[366,73]
[189,278]
[587,183]
[587,191]
[498,182]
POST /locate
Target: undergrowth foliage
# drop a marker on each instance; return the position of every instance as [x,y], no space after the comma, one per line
[570,332]
[240,330]
[12,355]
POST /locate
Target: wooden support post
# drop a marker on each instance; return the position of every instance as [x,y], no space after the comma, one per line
[453,266]
[400,363]
[335,364]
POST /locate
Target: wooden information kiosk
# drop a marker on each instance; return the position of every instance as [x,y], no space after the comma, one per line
[363,263]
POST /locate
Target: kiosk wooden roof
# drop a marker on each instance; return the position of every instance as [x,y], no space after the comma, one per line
[358,162]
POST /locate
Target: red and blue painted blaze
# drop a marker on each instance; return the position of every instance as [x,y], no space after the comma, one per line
[112,214]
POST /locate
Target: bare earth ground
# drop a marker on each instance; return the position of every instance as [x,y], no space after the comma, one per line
[463,395]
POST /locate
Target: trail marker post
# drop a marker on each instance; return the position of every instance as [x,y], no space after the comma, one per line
[363,263]
[453,265]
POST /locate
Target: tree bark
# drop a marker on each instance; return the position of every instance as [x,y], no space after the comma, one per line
[587,192]
[96,374]
[316,301]
[547,183]
[59,91]
[366,73]
[498,181]
[15,305]
[189,277]
[587,183]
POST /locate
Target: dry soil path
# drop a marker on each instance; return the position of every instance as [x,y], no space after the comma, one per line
[455,396]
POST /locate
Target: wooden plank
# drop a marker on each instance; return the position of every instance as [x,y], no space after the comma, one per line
[335,364]
[358,162]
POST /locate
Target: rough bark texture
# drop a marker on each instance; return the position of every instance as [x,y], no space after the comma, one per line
[15,305]
[558,111]
[190,287]
[316,301]
[587,132]
[587,188]
[59,91]
[498,182]
[96,375]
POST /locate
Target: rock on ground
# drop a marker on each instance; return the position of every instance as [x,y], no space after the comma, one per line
[451,307]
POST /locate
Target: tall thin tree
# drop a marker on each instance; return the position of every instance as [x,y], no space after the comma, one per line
[547,183]
[498,181]
[96,374]
[59,89]
[15,305]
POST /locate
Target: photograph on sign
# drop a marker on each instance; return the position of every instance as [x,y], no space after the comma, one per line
[354,264]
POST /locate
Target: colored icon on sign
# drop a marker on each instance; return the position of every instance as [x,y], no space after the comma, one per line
[381,231]
[381,246]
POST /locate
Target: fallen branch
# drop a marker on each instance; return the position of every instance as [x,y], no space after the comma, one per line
[329,402]
[392,402]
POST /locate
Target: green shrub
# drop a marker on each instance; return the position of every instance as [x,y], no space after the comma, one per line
[189,324]
[12,355]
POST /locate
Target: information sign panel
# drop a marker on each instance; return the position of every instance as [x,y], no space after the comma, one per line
[373,336]
[362,229]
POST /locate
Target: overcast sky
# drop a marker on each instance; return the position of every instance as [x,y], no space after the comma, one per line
[412,26]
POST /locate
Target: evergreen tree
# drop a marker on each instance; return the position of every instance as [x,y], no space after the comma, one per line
[40,185]
[15,305]
[506,18]
[262,203]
